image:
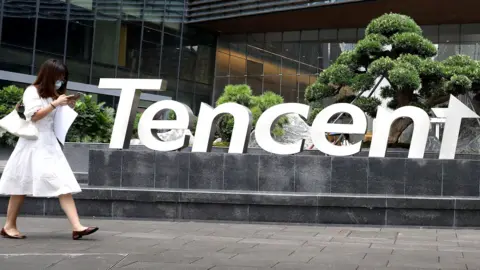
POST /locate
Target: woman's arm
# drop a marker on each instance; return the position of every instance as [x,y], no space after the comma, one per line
[40,114]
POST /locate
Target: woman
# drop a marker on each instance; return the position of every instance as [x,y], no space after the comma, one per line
[39,168]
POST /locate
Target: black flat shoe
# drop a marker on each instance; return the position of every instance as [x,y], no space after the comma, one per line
[6,235]
[76,235]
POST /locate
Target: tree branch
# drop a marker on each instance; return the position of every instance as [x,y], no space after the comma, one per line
[432,101]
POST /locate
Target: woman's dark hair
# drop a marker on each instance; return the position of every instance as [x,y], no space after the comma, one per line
[49,73]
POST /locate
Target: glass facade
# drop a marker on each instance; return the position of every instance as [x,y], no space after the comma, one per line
[110,38]
[287,62]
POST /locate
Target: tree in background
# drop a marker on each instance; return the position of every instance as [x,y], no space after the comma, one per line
[94,122]
[394,49]
[242,94]
[9,97]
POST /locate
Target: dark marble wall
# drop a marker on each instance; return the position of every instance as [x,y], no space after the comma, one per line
[274,173]
[263,207]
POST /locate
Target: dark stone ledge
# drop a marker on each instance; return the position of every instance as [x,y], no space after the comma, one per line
[312,208]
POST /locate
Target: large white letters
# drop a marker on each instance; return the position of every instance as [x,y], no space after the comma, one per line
[454,114]
[266,121]
[184,120]
[127,106]
[209,117]
[321,126]
[207,122]
[381,130]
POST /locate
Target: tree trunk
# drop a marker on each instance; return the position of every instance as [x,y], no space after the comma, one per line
[404,98]
[398,127]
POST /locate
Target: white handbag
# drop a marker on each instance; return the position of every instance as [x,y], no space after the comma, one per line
[18,126]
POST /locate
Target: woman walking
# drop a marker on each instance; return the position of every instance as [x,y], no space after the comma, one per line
[39,168]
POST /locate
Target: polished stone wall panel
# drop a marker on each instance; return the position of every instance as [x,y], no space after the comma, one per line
[293,173]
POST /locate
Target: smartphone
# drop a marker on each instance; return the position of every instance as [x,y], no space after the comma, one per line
[75,96]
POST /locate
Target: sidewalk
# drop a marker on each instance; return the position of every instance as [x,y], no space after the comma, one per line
[161,245]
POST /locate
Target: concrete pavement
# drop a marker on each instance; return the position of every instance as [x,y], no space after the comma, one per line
[136,244]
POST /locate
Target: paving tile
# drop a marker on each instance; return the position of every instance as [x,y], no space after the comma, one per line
[142,244]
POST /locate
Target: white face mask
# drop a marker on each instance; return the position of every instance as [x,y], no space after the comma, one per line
[58,84]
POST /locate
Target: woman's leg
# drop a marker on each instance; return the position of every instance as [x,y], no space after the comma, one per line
[14,205]
[68,206]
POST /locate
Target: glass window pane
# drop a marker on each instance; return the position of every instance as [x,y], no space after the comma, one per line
[289,89]
[291,36]
[170,55]
[238,46]
[310,35]
[470,32]
[220,84]
[16,49]
[151,50]
[290,58]
[328,35]
[449,33]
[205,64]
[254,67]
[447,50]
[309,57]
[154,12]
[472,50]
[237,80]
[272,58]
[223,45]
[129,49]
[222,64]
[347,35]
[273,37]
[80,40]
[431,32]
[257,38]
[271,83]
[361,33]
[237,66]
[50,31]
[255,53]
[303,83]
[108,32]
[255,82]
[189,59]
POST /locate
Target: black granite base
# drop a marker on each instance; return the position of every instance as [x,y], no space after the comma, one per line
[307,208]
[274,173]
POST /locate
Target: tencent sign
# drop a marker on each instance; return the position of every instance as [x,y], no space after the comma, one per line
[209,117]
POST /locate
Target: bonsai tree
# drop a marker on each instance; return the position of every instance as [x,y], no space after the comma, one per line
[242,94]
[394,49]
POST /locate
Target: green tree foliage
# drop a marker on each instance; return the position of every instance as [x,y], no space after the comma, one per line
[9,97]
[394,49]
[94,122]
[242,94]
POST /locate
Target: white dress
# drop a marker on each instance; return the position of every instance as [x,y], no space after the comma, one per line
[38,168]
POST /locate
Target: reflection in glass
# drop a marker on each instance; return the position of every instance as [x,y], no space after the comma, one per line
[256,83]
[220,84]
[237,80]
[151,50]
[106,41]
[16,49]
[170,55]
[222,62]
[291,52]
[289,88]
[237,66]
[271,83]
[50,31]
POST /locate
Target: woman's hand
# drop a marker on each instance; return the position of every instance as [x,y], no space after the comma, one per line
[71,103]
[61,101]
